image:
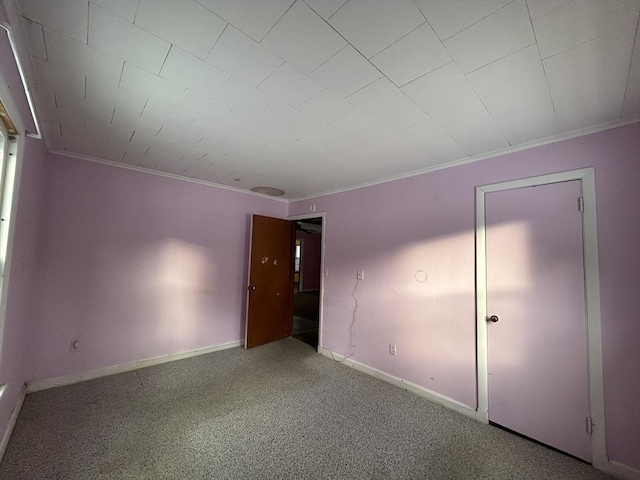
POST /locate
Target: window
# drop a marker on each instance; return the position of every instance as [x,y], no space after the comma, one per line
[8,147]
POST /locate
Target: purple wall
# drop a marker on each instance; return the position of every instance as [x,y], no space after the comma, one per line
[136,266]
[426,223]
[13,364]
[310,260]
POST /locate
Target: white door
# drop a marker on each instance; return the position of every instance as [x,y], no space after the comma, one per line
[537,343]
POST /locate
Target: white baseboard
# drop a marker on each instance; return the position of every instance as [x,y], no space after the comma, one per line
[124,367]
[409,386]
[12,421]
[621,471]
[616,469]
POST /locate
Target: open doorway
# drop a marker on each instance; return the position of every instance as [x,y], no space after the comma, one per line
[307,280]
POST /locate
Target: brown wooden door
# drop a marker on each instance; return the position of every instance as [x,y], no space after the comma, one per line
[270,293]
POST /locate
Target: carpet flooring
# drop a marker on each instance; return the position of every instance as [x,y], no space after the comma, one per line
[277,411]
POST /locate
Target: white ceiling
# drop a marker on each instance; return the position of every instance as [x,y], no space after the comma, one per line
[316,95]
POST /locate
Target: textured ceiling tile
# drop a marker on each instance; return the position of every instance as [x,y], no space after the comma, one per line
[201,107]
[539,8]
[157,112]
[35,37]
[254,18]
[243,57]
[184,69]
[449,100]
[68,17]
[632,96]
[580,21]
[346,72]
[389,105]
[61,81]
[184,23]
[290,86]
[76,58]
[588,82]
[116,36]
[53,135]
[148,84]
[282,115]
[354,123]
[327,107]
[434,142]
[110,98]
[325,8]
[373,26]
[126,103]
[518,79]
[303,39]
[414,55]
[450,17]
[125,9]
[241,97]
[498,35]
[95,140]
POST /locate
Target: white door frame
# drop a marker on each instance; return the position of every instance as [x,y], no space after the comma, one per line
[592,298]
[322,215]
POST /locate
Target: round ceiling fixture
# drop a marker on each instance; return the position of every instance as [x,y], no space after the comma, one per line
[274,192]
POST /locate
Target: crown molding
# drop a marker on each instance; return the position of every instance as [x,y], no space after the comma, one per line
[136,168]
[463,161]
[496,153]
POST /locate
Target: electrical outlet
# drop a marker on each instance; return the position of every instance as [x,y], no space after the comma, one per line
[360,275]
[393,349]
[75,346]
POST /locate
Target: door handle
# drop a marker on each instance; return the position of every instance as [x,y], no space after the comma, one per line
[251,287]
[493,318]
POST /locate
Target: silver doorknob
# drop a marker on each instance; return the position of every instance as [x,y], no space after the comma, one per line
[252,287]
[493,318]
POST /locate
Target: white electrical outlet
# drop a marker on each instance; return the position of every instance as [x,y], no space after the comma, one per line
[393,349]
[360,275]
[75,346]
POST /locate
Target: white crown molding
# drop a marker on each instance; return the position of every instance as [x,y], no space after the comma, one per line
[88,158]
[496,153]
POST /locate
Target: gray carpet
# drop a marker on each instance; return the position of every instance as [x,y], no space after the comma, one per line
[277,411]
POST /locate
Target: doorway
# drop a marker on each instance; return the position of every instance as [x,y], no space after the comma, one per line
[545,280]
[307,277]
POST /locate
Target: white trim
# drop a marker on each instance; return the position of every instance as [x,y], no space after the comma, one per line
[248,291]
[430,395]
[323,243]
[496,153]
[125,367]
[13,181]
[592,298]
[12,421]
[25,85]
[136,168]
[622,471]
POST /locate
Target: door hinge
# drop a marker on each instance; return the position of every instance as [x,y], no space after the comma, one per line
[589,424]
[580,204]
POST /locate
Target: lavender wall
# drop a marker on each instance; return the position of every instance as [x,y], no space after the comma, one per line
[414,238]
[136,266]
[13,364]
[310,260]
